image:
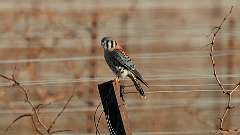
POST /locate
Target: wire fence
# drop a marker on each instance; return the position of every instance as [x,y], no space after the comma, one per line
[60,82]
[51,44]
[170,55]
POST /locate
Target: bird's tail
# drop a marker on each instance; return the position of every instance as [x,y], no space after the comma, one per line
[137,85]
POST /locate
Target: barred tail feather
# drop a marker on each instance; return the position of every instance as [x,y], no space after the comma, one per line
[137,85]
[140,78]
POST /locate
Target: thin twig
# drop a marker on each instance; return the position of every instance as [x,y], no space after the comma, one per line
[35,126]
[95,121]
[213,34]
[26,96]
[18,118]
[99,120]
[228,93]
[37,122]
[60,113]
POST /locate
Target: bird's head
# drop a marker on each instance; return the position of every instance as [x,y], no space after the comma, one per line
[108,43]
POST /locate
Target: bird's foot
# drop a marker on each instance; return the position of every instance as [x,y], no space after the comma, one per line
[117,80]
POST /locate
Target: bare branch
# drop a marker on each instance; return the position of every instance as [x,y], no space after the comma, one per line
[36,127]
[37,122]
[18,118]
[60,113]
[212,38]
[228,93]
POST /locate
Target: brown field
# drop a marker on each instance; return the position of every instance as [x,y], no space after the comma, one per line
[55,47]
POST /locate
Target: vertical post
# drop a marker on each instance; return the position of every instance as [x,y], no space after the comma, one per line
[92,65]
[114,108]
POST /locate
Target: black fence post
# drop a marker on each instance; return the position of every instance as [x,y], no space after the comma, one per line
[114,108]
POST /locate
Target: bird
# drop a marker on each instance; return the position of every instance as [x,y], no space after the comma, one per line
[121,64]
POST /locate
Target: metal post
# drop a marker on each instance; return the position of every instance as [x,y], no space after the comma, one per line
[114,108]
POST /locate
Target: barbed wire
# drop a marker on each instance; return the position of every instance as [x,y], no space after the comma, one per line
[186,132]
[176,132]
[174,91]
[186,54]
[206,103]
[149,78]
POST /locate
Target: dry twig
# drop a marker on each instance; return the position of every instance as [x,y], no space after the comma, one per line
[212,37]
[58,115]
[228,93]
[40,127]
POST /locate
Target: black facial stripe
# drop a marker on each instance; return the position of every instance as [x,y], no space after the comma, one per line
[111,44]
[107,43]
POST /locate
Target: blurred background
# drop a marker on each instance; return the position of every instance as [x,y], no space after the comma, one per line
[55,47]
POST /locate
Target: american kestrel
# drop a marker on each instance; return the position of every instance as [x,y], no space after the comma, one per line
[120,63]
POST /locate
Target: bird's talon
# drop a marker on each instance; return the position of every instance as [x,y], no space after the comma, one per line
[116,80]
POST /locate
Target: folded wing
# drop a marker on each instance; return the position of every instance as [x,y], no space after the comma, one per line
[122,57]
